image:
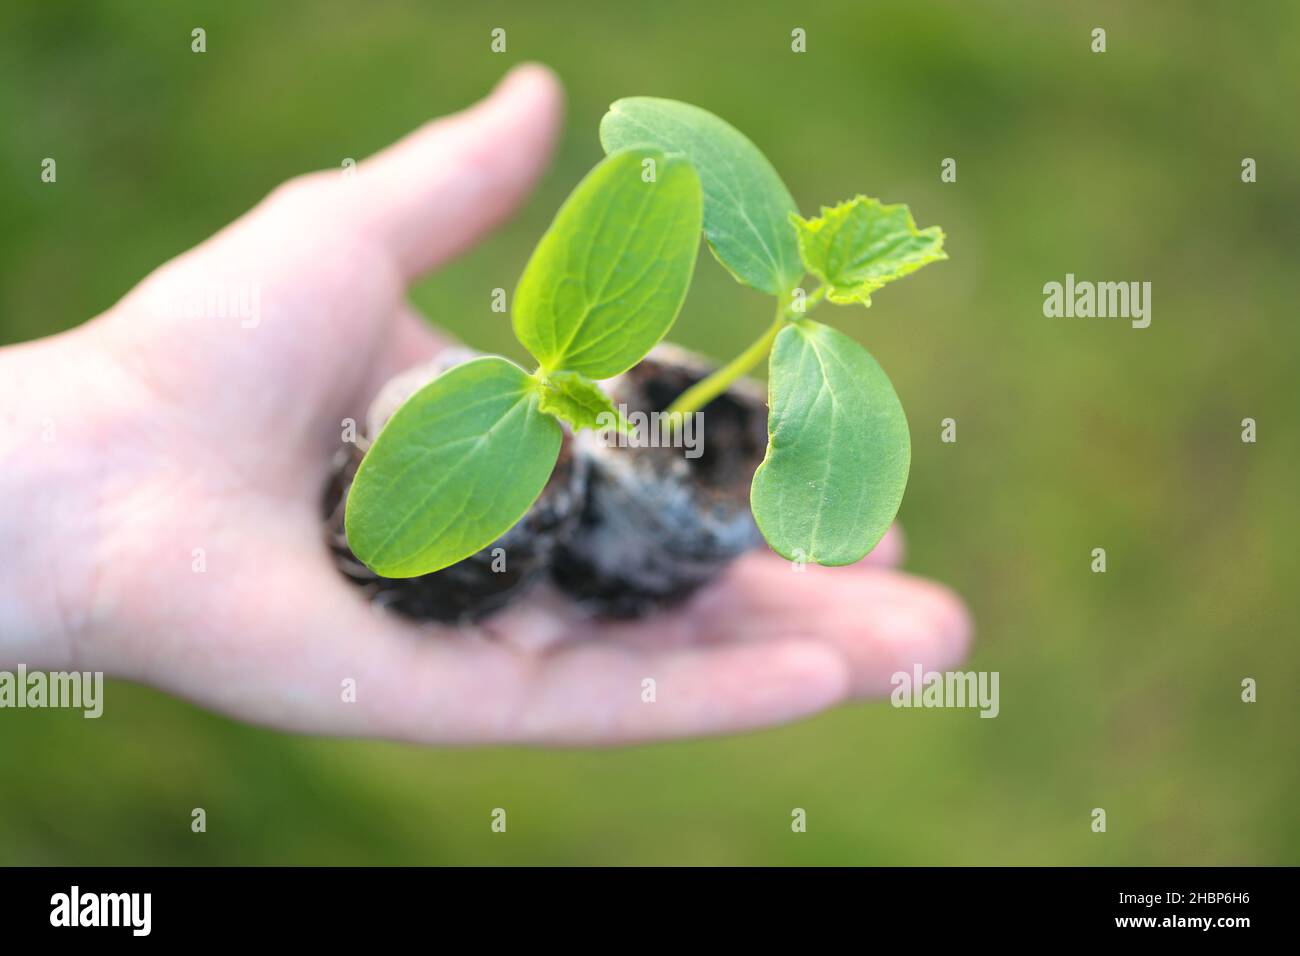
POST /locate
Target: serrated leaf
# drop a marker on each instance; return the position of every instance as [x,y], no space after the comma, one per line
[838,449]
[581,402]
[860,245]
[455,467]
[746,205]
[607,280]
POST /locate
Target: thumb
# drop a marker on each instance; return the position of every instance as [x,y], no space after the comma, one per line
[433,193]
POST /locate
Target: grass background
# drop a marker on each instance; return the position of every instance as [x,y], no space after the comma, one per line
[1118,690]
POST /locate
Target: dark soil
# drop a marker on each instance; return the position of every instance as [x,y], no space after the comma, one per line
[623,531]
[484,582]
[657,524]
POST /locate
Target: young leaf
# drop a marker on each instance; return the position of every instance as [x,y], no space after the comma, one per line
[838,449]
[580,402]
[746,206]
[607,280]
[859,245]
[455,467]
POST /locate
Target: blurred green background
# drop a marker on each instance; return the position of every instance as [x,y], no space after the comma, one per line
[1118,690]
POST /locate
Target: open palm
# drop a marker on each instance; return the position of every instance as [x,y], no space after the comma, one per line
[206,434]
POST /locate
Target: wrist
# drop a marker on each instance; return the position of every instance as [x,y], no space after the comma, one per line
[55,414]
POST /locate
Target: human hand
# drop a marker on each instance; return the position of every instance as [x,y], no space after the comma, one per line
[147,434]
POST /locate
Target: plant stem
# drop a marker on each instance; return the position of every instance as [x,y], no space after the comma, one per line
[707,389]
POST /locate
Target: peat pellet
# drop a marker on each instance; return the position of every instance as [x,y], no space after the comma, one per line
[485,582]
[661,520]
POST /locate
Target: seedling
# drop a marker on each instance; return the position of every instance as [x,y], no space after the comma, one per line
[838,446]
[463,460]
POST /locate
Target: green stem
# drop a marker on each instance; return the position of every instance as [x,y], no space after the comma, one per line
[709,388]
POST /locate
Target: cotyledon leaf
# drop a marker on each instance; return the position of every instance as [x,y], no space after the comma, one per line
[838,449]
[746,205]
[608,278]
[454,468]
[860,245]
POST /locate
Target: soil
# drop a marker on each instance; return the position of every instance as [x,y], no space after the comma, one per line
[483,583]
[658,524]
[623,531]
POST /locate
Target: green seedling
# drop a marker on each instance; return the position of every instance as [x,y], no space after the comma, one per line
[465,457]
[838,446]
